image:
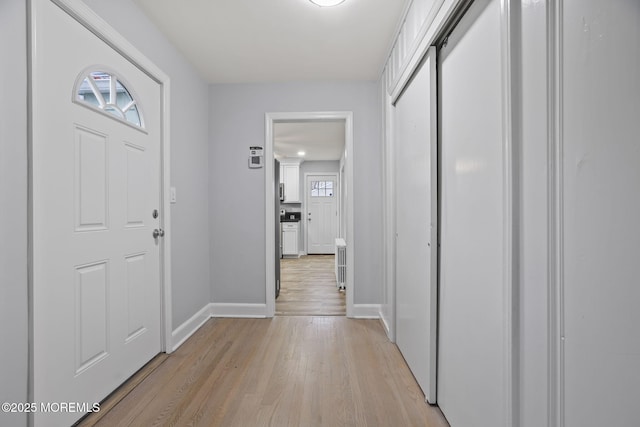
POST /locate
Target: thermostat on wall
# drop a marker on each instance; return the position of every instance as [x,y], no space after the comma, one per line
[255,157]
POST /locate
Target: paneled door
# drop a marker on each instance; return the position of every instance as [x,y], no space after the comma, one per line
[96,200]
[322,213]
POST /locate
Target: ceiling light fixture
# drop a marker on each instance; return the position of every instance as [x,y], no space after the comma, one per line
[301,153]
[326,3]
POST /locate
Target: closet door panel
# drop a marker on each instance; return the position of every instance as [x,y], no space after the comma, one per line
[416,225]
[472,363]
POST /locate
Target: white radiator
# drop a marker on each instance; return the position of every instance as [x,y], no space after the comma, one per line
[341,263]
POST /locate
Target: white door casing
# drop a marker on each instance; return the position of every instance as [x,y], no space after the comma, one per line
[321,216]
[415,138]
[98,301]
[595,210]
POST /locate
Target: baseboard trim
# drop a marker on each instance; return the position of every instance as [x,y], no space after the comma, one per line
[385,325]
[366,311]
[188,328]
[238,310]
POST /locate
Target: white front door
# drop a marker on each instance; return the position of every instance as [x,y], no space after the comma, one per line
[322,213]
[96,185]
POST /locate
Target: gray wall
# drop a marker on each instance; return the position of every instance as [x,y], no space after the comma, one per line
[13,208]
[189,155]
[237,121]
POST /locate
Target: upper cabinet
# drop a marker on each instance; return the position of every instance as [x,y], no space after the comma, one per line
[406,54]
[290,176]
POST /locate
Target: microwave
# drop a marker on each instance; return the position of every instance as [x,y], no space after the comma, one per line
[281,187]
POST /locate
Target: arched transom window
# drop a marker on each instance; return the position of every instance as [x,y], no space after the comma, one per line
[103,91]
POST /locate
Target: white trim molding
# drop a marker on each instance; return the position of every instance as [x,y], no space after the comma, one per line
[556,356]
[189,327]
[511,140]
[366,311]
[385,325]
[215,310]
[239,310]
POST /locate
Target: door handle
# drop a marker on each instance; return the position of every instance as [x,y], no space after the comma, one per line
[158,232]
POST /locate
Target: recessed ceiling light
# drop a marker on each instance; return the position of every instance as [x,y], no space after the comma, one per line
[326,3]
[301,153]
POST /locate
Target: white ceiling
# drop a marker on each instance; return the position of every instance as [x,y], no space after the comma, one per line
[252,41]
[321,140]
[242,41]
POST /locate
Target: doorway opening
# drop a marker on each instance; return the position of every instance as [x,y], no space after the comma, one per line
[309,170]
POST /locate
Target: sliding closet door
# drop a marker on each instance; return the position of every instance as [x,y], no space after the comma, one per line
[416,225]
[473,363]
[599,225]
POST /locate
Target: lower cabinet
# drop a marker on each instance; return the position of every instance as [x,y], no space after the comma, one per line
[290,232]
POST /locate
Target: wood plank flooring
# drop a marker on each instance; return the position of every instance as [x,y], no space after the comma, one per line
[308,287]
[285,371]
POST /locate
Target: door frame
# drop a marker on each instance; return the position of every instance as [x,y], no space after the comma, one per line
[306,205]
[84,15]
[270,119]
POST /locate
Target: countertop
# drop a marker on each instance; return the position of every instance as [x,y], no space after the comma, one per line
[289,220]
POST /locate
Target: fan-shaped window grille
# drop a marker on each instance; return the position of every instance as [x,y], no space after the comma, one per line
[105,92]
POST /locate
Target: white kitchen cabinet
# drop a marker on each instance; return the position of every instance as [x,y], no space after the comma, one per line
[291,179]
[403,59]
[290,232]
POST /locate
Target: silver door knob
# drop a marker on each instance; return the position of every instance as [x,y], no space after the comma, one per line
[158,232]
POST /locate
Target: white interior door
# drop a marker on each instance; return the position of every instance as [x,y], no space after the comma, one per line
[96,183]
[600,200]
[415,142]
[472,362]
[322,213]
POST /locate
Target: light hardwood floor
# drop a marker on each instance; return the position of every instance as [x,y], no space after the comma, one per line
[285,371]
[308,287]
